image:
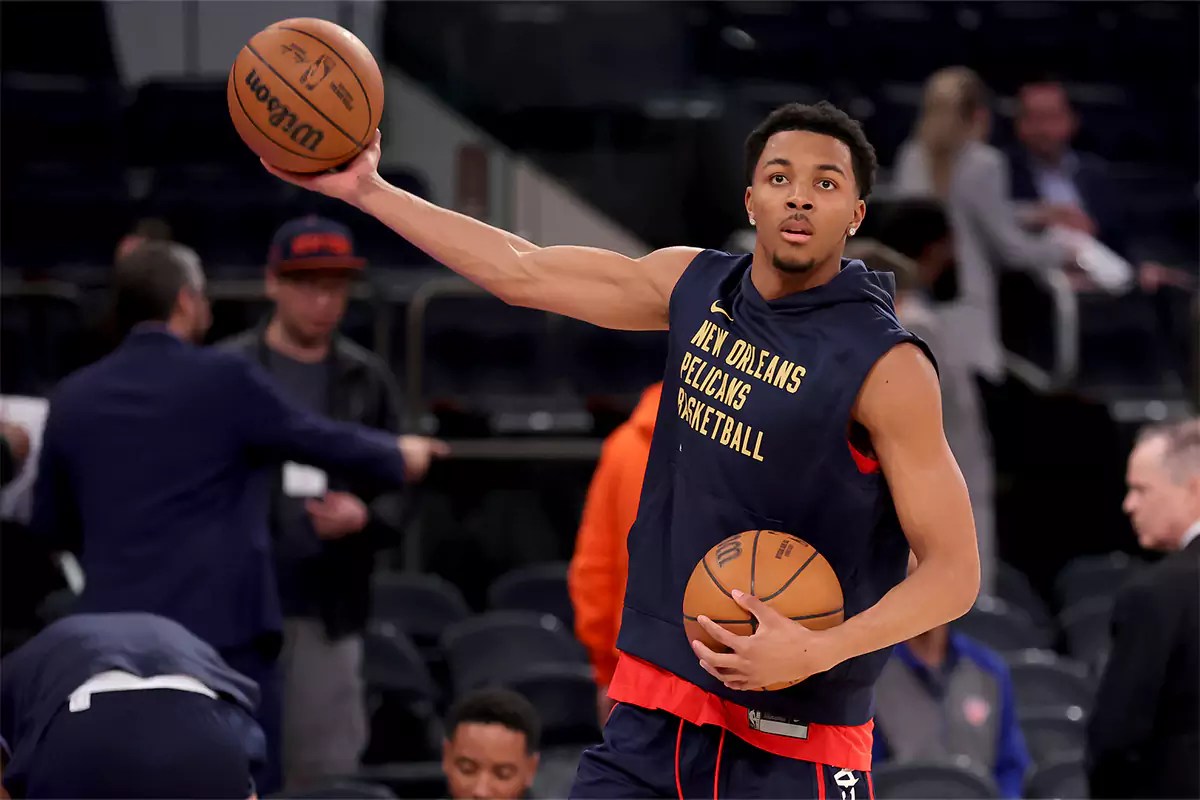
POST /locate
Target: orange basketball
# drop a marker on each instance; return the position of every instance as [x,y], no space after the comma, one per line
[785,572]
[305,94]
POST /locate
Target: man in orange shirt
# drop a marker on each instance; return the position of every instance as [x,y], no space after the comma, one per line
[598,568]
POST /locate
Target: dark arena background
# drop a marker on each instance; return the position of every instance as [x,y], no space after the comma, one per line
[620,125]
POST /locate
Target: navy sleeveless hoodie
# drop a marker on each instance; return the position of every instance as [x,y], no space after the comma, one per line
[752,434]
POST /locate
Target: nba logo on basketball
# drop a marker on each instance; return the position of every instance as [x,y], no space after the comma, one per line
[317,72]
[976,710]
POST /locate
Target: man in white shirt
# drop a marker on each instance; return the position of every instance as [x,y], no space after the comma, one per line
[1144,737]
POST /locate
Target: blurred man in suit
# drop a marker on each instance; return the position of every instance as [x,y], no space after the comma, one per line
[1070,188]
[155,462]
[1144,736]
[126,705]
[324,547]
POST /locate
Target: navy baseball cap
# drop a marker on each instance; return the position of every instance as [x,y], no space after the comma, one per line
[313,243]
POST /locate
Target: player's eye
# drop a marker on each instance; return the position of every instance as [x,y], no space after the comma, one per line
[826,184]
[778,179]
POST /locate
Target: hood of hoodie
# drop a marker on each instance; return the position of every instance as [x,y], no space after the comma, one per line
[854,283]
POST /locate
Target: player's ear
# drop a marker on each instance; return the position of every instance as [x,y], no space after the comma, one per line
[860,213]
[750,204]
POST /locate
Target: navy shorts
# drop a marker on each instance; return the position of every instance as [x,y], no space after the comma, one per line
[158,743]
[649,754]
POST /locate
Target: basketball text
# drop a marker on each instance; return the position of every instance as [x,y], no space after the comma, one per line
[283,118]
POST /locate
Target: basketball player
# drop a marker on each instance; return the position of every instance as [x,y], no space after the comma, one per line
[793,400]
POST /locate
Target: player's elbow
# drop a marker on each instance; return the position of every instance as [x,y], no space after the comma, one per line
[962,584]
[520,280]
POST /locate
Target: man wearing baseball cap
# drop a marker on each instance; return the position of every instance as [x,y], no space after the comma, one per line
[326,529]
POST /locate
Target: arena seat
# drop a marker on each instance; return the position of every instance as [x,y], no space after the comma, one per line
[421,605]
[1052,734]
[1043,679]
[1015,588]
[1092,576]
[565,698]
[1002,627]
[418,780]
[1087,628]
[940,780]
[538,587]
[1064,777]
[402,699]
[497,646]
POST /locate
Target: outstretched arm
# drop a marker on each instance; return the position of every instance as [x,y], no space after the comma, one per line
[594,285]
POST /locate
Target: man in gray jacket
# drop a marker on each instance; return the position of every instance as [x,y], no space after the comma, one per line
[326,529]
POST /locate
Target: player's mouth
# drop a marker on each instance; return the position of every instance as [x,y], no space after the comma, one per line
[796,231]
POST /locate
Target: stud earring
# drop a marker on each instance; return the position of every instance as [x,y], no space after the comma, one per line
[752,222]
[853,231]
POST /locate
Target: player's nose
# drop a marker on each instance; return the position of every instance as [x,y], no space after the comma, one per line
[800,201]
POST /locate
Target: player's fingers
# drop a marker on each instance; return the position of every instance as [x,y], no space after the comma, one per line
[761,611]
[717,660]
[721,675]
[730,640]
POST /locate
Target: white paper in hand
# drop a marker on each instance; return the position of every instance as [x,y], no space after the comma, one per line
[1109,271]
[300,480]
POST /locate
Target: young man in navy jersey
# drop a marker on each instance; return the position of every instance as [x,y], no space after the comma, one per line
[793,400]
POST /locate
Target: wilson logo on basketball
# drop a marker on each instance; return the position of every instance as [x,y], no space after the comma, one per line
[283,118]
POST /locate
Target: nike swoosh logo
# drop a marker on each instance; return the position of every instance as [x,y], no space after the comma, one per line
[716,309]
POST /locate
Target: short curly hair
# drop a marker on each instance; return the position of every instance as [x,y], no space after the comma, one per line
[824,118]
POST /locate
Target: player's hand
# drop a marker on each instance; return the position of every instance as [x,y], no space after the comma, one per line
[337,514]
[781,651]
[419,452]
[346,183]
[18,440]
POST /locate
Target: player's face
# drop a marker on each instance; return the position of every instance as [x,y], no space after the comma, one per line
[1159,507]
[487,760]
[804,200]
[1045,124]
[310,305]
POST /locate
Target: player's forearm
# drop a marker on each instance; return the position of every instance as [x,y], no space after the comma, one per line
[483,254]
[938,591]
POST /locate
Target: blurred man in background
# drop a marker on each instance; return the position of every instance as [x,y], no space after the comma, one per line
[324,543]
[153,465]
[1144,734]
[491,747]
[942,695]
[598,570]
[126,705]
[1069,187]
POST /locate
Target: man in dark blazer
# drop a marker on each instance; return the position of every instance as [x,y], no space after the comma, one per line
[1071,187]
[1144,736]
[125,705]
[155,465]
